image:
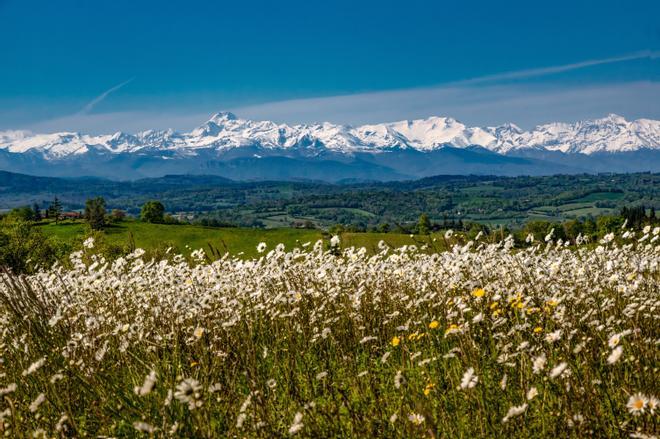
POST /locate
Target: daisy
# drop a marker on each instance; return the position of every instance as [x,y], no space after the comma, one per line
[615,355]
[469,379]
[636,404]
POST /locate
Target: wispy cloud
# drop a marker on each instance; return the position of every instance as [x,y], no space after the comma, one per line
[94,102]
[543,71]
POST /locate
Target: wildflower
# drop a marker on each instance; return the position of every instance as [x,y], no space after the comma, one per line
[198,332]
[479,317]
[393,418]
[395,341]
[297,424]
[434,324]
[143,427]
[469,379]
[334,241]
[514,411]
[368,339]
[34,406]
[416,418]
[321,375]
[538,329]
[187,392]
[429,387]
[9,389]
[503,382]
[531,393]
[553,336]
[385,356]
[479,292]
[148,384]
[34,366]
[453,328]
[614,340]
[558,370]
[615,355]
[636,404]
[261,247]
[398,379]
[652,404]
[539,363]
[89,242]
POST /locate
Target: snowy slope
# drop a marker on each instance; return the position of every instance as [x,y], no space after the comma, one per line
[224,131]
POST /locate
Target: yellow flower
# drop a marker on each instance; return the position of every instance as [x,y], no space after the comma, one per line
[497,312]
[428,388]
[434,324]
[413,336]
[538,329]
[494,305]
[193,363]
[395,341]
[479,292]
[519,305]
[452,327]
[552,302]
[198,332]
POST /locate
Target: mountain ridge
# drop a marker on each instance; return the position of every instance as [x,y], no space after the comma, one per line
[238,148]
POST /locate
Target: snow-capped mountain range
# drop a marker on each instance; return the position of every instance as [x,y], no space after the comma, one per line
[225,131]
[225,138]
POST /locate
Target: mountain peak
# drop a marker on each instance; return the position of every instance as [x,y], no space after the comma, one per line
[223,116]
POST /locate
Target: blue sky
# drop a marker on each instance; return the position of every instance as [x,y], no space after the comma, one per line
[100,66]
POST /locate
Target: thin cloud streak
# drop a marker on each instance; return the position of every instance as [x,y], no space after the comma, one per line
[542,71]
[97,100]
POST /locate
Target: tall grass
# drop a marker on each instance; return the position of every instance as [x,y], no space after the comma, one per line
[478,341]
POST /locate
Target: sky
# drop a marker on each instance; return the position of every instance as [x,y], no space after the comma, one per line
[105,66]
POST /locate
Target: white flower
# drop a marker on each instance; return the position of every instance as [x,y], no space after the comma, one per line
[187,392]
[147,385]
[297,424]
[558,370]
[416,418]
[531,393]
[89,242]
[514,411]
[553,336]
[398,379]
[469,379]
[34,366]
[614,340]
[321,375]
[34,406]
[334,241]
[261,247]
[615,355]
[539,363]
[636,404]
[9,389]
[143,427]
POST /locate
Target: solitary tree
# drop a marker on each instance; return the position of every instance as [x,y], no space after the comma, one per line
[424,225]
[55,210]
[37,212]
[95,212]
[152,212]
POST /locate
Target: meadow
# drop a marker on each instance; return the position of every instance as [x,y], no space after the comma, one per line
[476,341]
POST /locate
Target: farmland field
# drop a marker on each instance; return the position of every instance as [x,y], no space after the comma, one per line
[477,341]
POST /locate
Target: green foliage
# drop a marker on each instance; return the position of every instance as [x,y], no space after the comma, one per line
[23,247]
[95,213]
[152,212]
[55,209]
[424,224]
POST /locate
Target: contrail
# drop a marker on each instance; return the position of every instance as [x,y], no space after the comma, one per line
[87,108]
[529,73]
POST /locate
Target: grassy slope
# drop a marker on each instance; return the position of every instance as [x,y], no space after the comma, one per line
[235,240]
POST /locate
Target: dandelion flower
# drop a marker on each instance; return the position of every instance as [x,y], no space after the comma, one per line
[395,341]
[479,292]
[434,324]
